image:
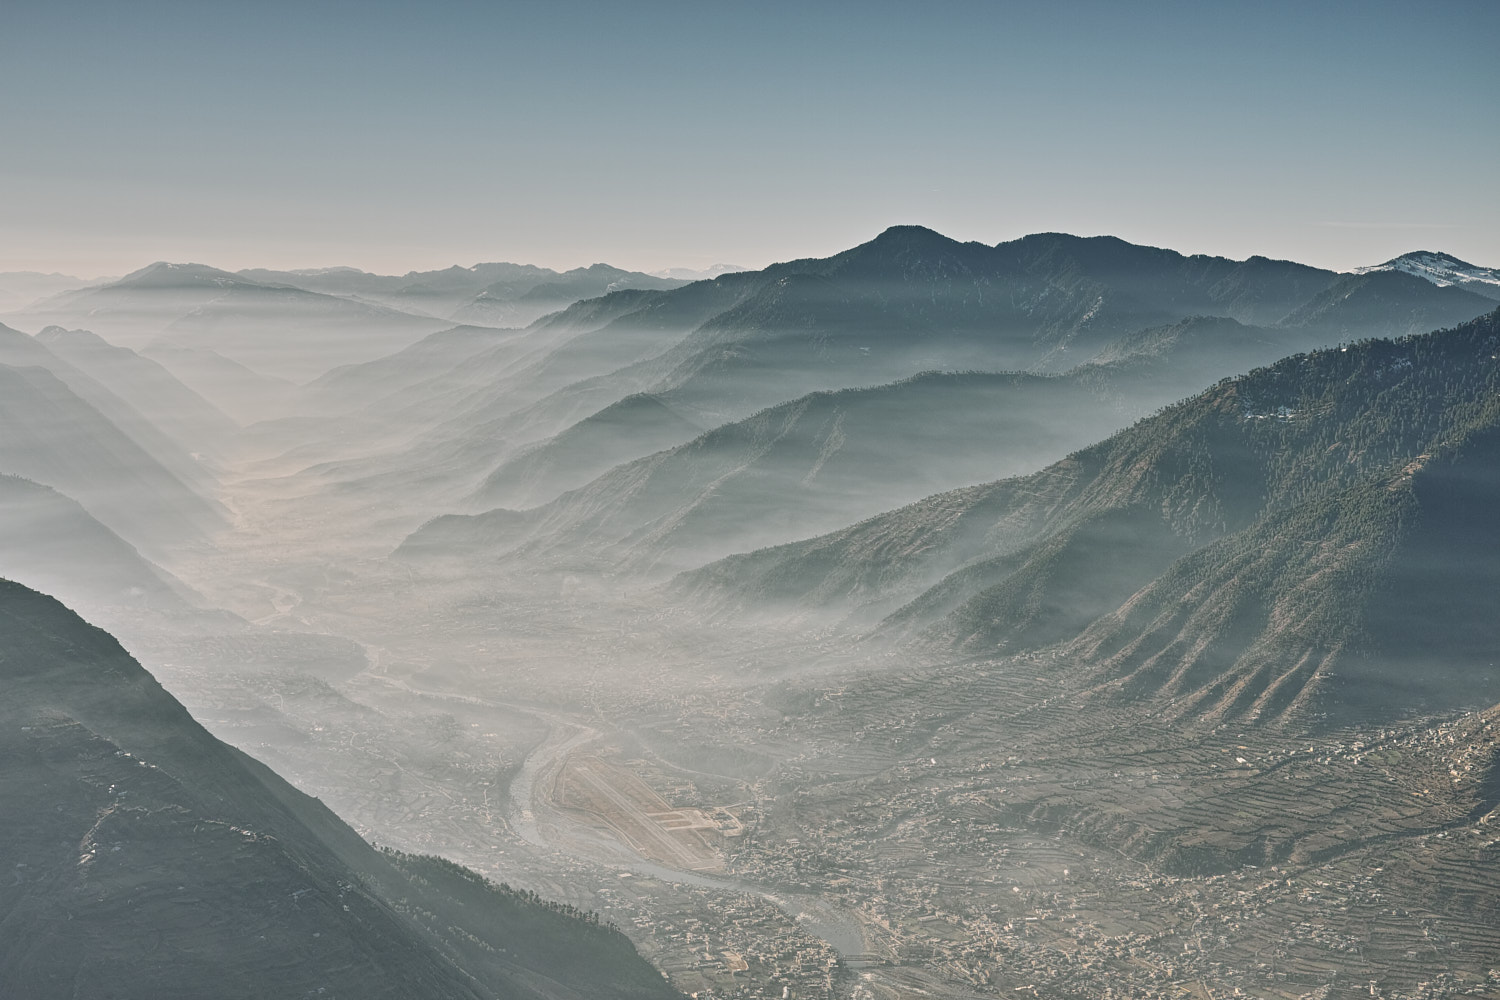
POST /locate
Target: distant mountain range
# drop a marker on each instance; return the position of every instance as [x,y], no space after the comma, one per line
[19,289]
[507,304]
[579,484]
[280,330]
[473,418]
[1064,294]
[299,324]
[506,295]
[695,274]
[146,858]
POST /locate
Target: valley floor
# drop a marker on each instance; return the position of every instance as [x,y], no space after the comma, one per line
[762,811]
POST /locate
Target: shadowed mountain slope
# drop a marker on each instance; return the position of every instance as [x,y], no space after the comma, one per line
[244,395]
[1136,375]
[294,334]
[1244,553]
[788,470]
[593,354]
[449,427]
[18,350]
[817,462]
[388,410]
[437,353]
[148,859]
[183,414]
[635,424]
[1386,304]
[52,436]
[578,373]
[49,542]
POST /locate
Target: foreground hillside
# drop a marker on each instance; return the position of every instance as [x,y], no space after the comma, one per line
[149,859]
[1308,538]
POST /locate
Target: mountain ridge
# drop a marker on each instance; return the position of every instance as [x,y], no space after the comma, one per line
[169,864]
[1443,270]
[1253,469]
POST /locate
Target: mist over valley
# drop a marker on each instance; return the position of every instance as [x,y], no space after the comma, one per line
[1061,615]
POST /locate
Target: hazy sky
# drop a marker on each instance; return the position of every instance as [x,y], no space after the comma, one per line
[397,136]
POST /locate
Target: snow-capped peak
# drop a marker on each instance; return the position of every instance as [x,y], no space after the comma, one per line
[1443,270]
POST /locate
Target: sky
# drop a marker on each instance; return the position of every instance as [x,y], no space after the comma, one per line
[400,136]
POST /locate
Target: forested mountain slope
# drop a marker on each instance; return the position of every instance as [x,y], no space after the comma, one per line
[146,858]
[1302,539]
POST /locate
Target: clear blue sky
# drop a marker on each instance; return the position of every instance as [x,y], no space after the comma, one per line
[396,136]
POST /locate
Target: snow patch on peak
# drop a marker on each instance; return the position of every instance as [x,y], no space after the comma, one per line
[1441,269]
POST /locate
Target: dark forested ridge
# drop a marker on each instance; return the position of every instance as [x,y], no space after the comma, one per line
[145,858]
